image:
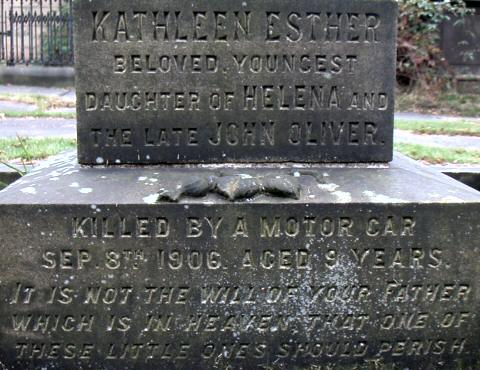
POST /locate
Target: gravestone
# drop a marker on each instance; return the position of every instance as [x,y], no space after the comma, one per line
[460,45]
[361,269]
[243,265]
[231,81]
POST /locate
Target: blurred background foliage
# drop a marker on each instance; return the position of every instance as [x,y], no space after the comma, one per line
[420,61]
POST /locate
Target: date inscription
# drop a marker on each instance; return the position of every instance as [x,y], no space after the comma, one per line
[310,288]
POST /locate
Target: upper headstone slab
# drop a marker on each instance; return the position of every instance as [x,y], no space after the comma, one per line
[176,81]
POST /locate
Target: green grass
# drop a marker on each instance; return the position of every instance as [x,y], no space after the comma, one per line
[43,103]
[465,105]
[436,155]
[37,114]
[25,149]
[444,103]
[440,128]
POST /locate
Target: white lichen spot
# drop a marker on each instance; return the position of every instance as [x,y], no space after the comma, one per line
[381,198]
[328,187]
[151,199]
[245,176]
[343,196]
[29,190]
[74,185]
[142,178]
[54,174]
[86,190]
[100,160]
[297,174]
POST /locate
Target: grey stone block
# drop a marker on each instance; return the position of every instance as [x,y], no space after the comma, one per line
[171,81]
[371,264]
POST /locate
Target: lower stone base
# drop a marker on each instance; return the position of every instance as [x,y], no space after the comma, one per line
[370,266]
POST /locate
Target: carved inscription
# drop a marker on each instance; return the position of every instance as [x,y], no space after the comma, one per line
[310,289]
[179,81]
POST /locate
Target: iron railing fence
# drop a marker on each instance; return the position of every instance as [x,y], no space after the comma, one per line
[36,32]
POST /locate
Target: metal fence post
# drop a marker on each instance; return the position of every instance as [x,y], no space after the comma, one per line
[36,32]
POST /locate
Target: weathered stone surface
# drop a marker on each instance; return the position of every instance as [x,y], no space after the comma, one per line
[175,81]
[371,265]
